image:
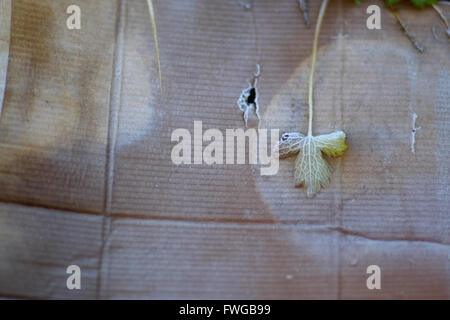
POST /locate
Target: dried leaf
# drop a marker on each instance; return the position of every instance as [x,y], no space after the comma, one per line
[311,169]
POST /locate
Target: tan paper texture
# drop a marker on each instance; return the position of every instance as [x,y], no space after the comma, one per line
[86,176]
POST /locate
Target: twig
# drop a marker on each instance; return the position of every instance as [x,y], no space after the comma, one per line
[404,26]
[305,9]
[443,17]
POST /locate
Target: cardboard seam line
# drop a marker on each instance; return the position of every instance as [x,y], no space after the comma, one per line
[113,127]
[258,224]
[5,39]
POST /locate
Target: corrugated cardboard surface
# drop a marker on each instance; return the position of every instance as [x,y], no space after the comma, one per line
[86,176]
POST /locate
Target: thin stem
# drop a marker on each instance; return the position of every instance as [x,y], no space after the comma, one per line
[404,25]
[441,14]
[155,37]
[323,8]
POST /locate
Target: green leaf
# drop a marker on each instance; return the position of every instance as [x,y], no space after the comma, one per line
[332,144]
[392,2]
[423,3]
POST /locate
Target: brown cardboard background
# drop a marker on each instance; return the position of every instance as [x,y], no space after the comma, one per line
[86,176]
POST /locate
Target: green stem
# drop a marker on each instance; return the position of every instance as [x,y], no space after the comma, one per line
[323,8]
[155,38]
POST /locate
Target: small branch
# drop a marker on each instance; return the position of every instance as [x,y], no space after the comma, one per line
[443,17]
[305,9]
[410,36]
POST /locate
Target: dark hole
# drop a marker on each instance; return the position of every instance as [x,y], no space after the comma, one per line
[251,98]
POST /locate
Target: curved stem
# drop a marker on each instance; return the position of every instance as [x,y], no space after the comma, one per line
[155,38]
[323,8]
[441,14]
